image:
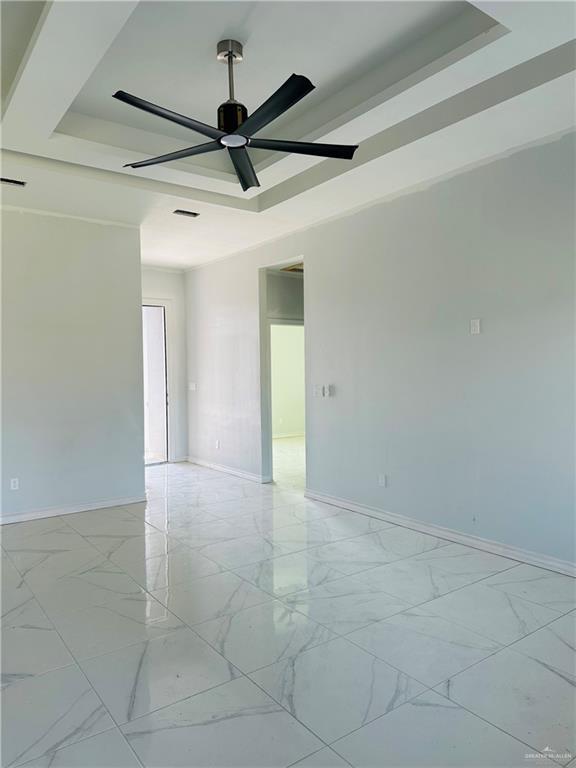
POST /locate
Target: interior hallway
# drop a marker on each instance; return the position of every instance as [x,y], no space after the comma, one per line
[289,457]
[295,633]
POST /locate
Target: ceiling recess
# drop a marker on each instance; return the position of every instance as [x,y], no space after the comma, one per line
[236,129]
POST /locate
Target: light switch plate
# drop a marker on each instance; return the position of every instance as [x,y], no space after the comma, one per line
[475,326]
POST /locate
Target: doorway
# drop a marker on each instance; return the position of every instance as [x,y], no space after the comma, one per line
[287,395]
[282,375]
[155,384]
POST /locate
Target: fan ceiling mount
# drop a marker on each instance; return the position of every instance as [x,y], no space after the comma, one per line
[236,128]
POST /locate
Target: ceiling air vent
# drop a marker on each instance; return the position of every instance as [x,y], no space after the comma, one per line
[182,212]
[13,182]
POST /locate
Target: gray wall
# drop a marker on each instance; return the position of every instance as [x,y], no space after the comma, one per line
[475,433]
[72,402]
[224,365]
[285,296]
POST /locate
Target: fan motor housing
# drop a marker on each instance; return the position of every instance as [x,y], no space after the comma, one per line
[231,115]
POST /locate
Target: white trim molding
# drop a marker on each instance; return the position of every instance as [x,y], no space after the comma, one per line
[469,540]
[38,514]
[59,215]
[230,470]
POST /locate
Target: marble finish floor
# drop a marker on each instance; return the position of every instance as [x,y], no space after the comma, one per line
[289,462]
[227,623]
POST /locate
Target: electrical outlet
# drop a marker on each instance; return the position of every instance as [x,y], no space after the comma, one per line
[14,484]
[383,480]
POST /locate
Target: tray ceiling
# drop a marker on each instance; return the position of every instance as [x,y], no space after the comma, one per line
[426,88]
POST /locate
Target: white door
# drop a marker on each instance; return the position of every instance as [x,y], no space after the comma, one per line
[155,389]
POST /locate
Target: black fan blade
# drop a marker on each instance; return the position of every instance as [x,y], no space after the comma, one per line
[199,149]
[342,151]
[167,114]
[244,168]
[294,89]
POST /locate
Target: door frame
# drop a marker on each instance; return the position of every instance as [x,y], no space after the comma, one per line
[166,305]
[267,463]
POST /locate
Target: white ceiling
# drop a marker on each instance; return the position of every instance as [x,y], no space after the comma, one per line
[166,53]
[17,22]
[426,88]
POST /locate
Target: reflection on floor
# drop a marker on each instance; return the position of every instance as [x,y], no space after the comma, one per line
[154,457]
[228,623]
[289,456]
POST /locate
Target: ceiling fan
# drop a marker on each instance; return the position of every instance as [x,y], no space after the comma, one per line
[236,129]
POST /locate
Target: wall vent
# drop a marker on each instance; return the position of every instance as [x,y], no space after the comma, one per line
[182,212]
[13,182]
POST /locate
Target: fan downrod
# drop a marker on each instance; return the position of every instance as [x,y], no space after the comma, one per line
[231,114]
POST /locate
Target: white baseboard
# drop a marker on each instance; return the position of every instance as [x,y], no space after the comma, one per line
[469,540]
[230,470]
[38,514]
[287,436]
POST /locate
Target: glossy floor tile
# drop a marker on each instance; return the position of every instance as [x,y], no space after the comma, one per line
[459,560]
[122,621]
[324,758]
[210,597]
[336,688]
[47,712]
[537,585]
[179,567]
[491,613]
[15,532]
[112,521]
[423,645]
[263,635]
[432,732]
[99,583]
[346,604]
[53,565]
[236,724]
[413,581]
[553,645]
[289,462]
[40,556]
[30,646]
[136,680]
[14,592]
[249,549]
[290,573]
[107,750]
[227,623]
[432,574]
[25,613]
[525,697]
[370,550]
